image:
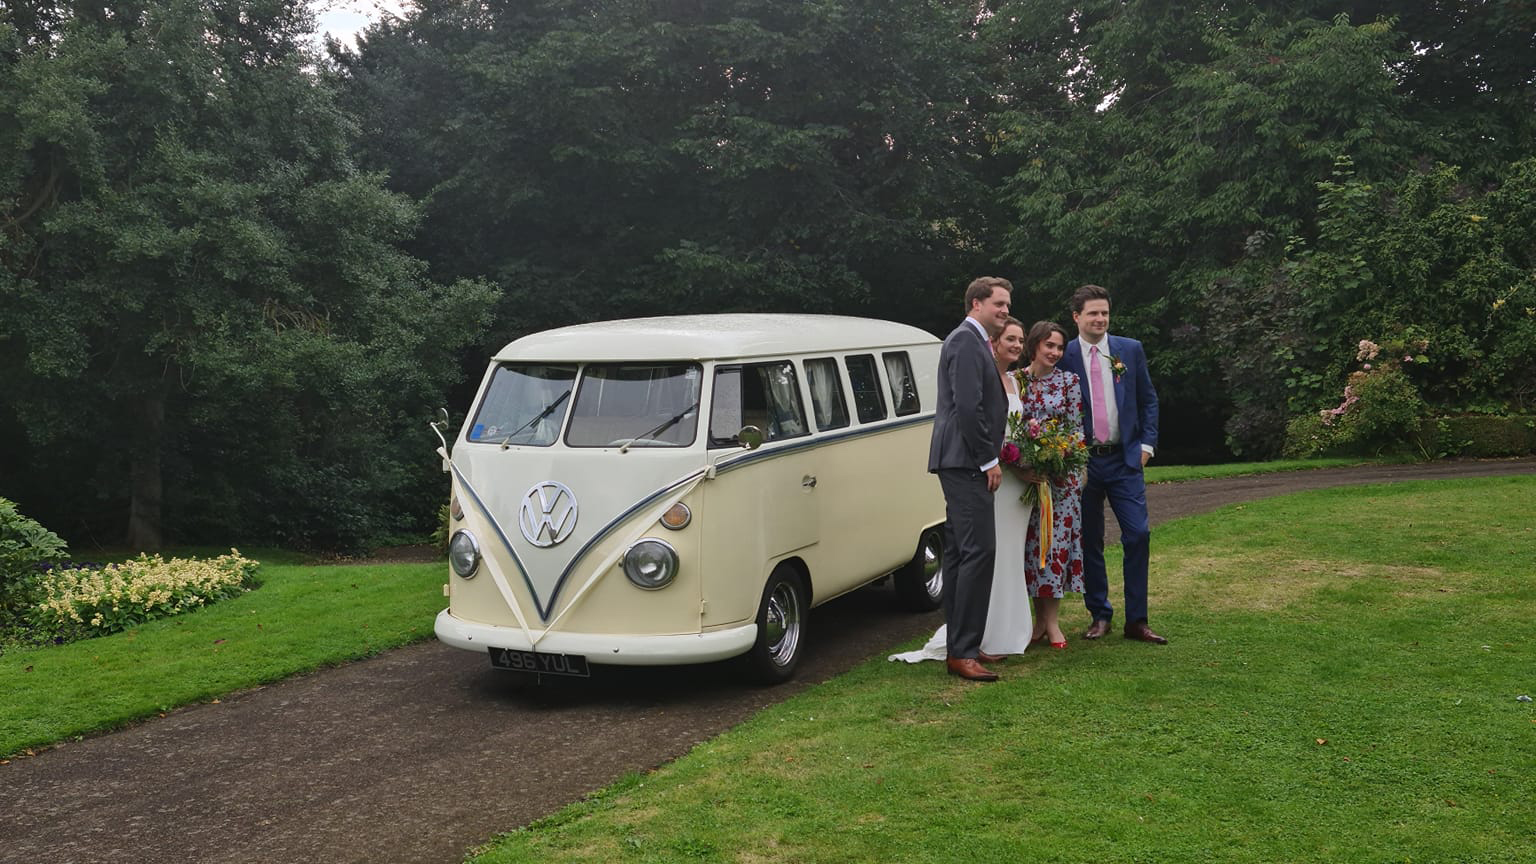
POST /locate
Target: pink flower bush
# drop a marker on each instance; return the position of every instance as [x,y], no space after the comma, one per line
[1331,414]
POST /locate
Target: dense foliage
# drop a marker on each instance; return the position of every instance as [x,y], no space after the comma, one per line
[236,276]
[25,548]
[1198,162]
[209,324]
[642,157]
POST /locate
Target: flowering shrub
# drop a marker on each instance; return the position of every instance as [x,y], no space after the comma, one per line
[84,601]
[1380,408]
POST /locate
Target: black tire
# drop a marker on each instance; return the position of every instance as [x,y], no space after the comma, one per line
[919,583]
[782,620]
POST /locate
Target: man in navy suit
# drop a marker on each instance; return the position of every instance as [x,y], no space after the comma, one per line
[1120,419]
[969,422]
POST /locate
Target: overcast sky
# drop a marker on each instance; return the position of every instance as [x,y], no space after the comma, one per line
[343,18]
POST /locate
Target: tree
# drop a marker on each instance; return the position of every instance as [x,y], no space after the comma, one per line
[735,155]
[1194,140]
[199,285]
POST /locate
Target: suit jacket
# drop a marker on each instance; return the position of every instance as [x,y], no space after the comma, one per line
[972,412]
[1134,395]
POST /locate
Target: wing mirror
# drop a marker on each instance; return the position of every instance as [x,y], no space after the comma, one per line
[440,426]
[750,437]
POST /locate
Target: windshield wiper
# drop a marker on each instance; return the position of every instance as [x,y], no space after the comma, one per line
[548,410]
[664,426]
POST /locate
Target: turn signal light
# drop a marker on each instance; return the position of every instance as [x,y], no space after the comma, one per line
[677,516]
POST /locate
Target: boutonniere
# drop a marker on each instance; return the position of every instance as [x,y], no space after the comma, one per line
[1116,368]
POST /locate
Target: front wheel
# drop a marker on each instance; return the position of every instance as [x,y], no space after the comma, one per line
[781,625]
[919,583]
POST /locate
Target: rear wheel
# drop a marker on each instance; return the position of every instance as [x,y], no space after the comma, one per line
[920,583]
[781,626]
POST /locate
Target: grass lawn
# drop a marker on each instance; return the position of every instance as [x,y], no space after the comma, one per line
[301,618]
[1178,473]
[1341,685]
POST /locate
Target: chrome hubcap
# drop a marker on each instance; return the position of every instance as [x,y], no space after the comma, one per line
[782,623]
[933,566]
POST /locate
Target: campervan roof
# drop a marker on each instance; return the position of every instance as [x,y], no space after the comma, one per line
[704,337]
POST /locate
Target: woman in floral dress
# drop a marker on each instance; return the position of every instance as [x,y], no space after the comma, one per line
[1050,392]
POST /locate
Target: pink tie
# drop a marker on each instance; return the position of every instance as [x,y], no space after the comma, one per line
[1100,407]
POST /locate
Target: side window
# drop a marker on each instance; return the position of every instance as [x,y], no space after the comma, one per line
[898,371]
[765,395]
[868,399]
[827,403]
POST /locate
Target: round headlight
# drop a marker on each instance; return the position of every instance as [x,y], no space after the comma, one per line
[464,554]
[650,564]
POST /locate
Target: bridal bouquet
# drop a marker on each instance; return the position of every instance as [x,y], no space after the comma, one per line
[1050,449]
[1047,446]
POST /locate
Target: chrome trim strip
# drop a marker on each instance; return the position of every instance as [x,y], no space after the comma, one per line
[811,441]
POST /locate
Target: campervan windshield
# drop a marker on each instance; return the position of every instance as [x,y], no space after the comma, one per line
[636,404]
[524,405]
[610,405]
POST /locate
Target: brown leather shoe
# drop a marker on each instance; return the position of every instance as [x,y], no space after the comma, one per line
[969,669]
[989,658]
[1142,633]
[1098,629]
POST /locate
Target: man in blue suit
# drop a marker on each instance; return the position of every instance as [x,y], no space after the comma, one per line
[1120,419]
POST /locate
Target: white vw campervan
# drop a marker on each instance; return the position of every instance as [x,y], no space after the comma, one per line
[684,489]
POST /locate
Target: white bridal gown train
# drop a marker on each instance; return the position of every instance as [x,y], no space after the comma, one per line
[1010,624]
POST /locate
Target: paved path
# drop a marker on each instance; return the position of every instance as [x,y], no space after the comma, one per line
[419,754]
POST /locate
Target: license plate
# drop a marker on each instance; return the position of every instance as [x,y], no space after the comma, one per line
[539,662]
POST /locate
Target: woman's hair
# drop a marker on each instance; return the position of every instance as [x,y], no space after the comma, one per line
[1011,322]
[1039,333]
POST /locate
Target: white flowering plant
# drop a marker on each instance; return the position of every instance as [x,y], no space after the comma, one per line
[84,601]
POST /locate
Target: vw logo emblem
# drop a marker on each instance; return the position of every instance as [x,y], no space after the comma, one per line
[548,513]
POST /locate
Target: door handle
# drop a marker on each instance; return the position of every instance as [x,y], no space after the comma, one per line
[808,481]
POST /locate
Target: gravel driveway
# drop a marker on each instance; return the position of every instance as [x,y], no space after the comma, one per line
[421,753]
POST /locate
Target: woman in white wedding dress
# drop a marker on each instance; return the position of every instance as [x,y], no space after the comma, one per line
[1009,623]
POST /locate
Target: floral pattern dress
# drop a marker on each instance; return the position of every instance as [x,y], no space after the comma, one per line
[1056,395]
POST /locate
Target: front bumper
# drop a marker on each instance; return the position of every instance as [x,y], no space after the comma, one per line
[606,648]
